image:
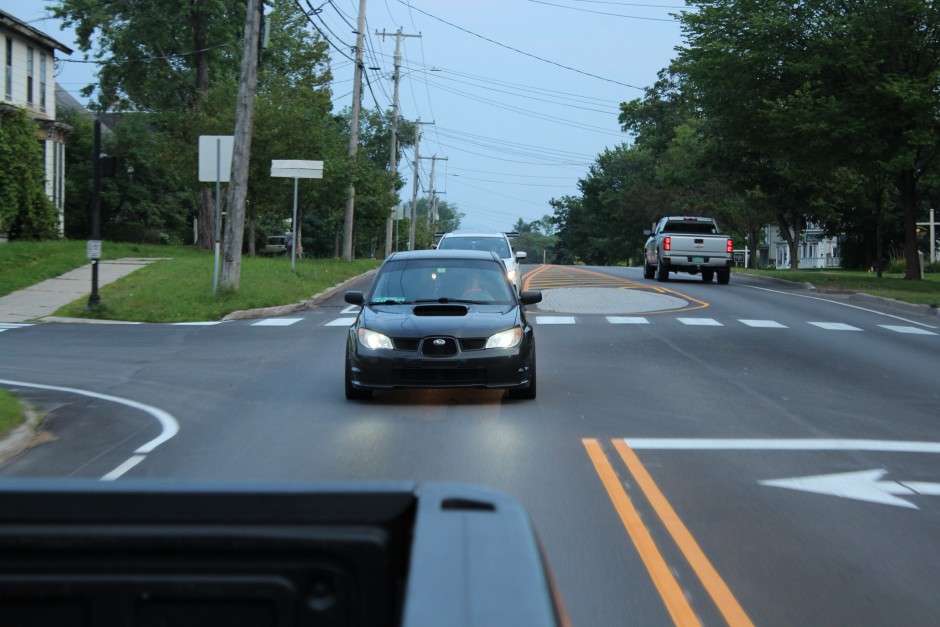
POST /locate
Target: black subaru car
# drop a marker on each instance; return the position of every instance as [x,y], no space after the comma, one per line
[441,319]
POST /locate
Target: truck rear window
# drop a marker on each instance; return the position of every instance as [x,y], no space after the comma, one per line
[701,228]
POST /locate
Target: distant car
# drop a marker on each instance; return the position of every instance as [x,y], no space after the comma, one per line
[274,245]
[495,242]
[441,319]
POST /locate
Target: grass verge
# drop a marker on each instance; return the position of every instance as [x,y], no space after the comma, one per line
[180,289]
[23,264]
[926,292]
[11,413]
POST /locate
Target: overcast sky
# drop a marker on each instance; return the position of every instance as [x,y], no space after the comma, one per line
[523,94]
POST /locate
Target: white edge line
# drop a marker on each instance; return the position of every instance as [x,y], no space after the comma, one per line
[835,302]
[120,470]
[167,422]
[766,444]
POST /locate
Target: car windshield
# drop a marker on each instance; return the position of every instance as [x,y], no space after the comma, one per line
[491,244]
[440,280]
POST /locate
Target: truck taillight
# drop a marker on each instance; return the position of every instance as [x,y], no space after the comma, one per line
[667,243]
[730,247]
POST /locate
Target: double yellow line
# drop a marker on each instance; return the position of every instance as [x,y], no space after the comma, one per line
[676,602]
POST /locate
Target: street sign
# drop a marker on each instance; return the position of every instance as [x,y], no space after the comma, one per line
[94,249]
[215,158]
[297,169]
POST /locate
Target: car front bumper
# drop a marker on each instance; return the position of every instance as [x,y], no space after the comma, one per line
[484,368]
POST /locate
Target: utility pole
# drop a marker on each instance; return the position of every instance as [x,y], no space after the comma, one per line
[432,199]
[414,191]
[230,277]
[393,161]
[354,134]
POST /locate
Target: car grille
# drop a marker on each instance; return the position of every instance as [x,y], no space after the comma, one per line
[406,344]
[439,347]
[411,344]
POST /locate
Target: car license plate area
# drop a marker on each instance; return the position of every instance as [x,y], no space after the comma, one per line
[697,259]
[442,376]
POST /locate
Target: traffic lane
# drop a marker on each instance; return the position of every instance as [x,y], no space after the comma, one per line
[708,382]
[79,436]
[801,558]
[305,429]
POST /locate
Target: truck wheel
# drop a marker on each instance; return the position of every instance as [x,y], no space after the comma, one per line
[662,274]
[648,271]
[708,275]
[724,276]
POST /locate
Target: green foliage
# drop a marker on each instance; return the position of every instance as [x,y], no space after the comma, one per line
[25,210]
[11,412]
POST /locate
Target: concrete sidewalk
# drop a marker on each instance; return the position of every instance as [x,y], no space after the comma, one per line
[43,299]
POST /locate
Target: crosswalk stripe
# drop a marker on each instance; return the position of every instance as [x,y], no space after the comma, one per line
[276,322]
[910,330]
[197,324]
[835,326]
[763,324]
[554,319]
[340,322]
[627,320]
[700,322]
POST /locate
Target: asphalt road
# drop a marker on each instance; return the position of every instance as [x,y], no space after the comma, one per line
[729,454]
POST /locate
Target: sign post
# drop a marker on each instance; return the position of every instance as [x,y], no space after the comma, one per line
[296,169]
[214,152]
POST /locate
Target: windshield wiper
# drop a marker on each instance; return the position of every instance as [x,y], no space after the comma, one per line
[389,301]
[444,300]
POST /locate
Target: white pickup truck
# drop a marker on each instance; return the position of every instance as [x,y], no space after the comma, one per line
[687,244]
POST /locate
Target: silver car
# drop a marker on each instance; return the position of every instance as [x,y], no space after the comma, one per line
[491,242]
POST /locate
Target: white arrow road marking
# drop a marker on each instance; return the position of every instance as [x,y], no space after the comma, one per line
[864,485]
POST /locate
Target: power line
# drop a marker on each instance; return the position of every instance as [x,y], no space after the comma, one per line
[631,17]
[528,54]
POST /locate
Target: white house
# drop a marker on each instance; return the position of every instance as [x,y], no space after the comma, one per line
[28,82]
[815,249]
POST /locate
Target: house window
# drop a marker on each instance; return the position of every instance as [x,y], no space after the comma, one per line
[29,76]
[42,81]
[8,70]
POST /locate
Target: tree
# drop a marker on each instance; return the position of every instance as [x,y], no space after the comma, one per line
[818,86]
[160,56]
[25,210]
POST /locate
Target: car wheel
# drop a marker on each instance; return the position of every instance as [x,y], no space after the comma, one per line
[648,271]
[526,393]
[724,276]
[662,274]
[708,275]
[352,394]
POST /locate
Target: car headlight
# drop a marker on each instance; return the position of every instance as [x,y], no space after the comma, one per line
[373,340]
[505,339]
[512,275]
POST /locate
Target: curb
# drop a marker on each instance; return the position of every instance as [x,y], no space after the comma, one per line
[310,303]
[20,438]
[897,305]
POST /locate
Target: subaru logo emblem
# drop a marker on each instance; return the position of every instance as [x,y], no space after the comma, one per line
[439,342]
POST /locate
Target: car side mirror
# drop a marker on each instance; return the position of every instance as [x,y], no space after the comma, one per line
[354,298]
[530,297]
[520,255]
[647,232]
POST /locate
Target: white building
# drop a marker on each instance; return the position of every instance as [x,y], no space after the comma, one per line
[815,249]
[28,82]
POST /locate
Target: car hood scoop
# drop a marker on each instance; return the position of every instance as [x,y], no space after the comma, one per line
[441,310]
